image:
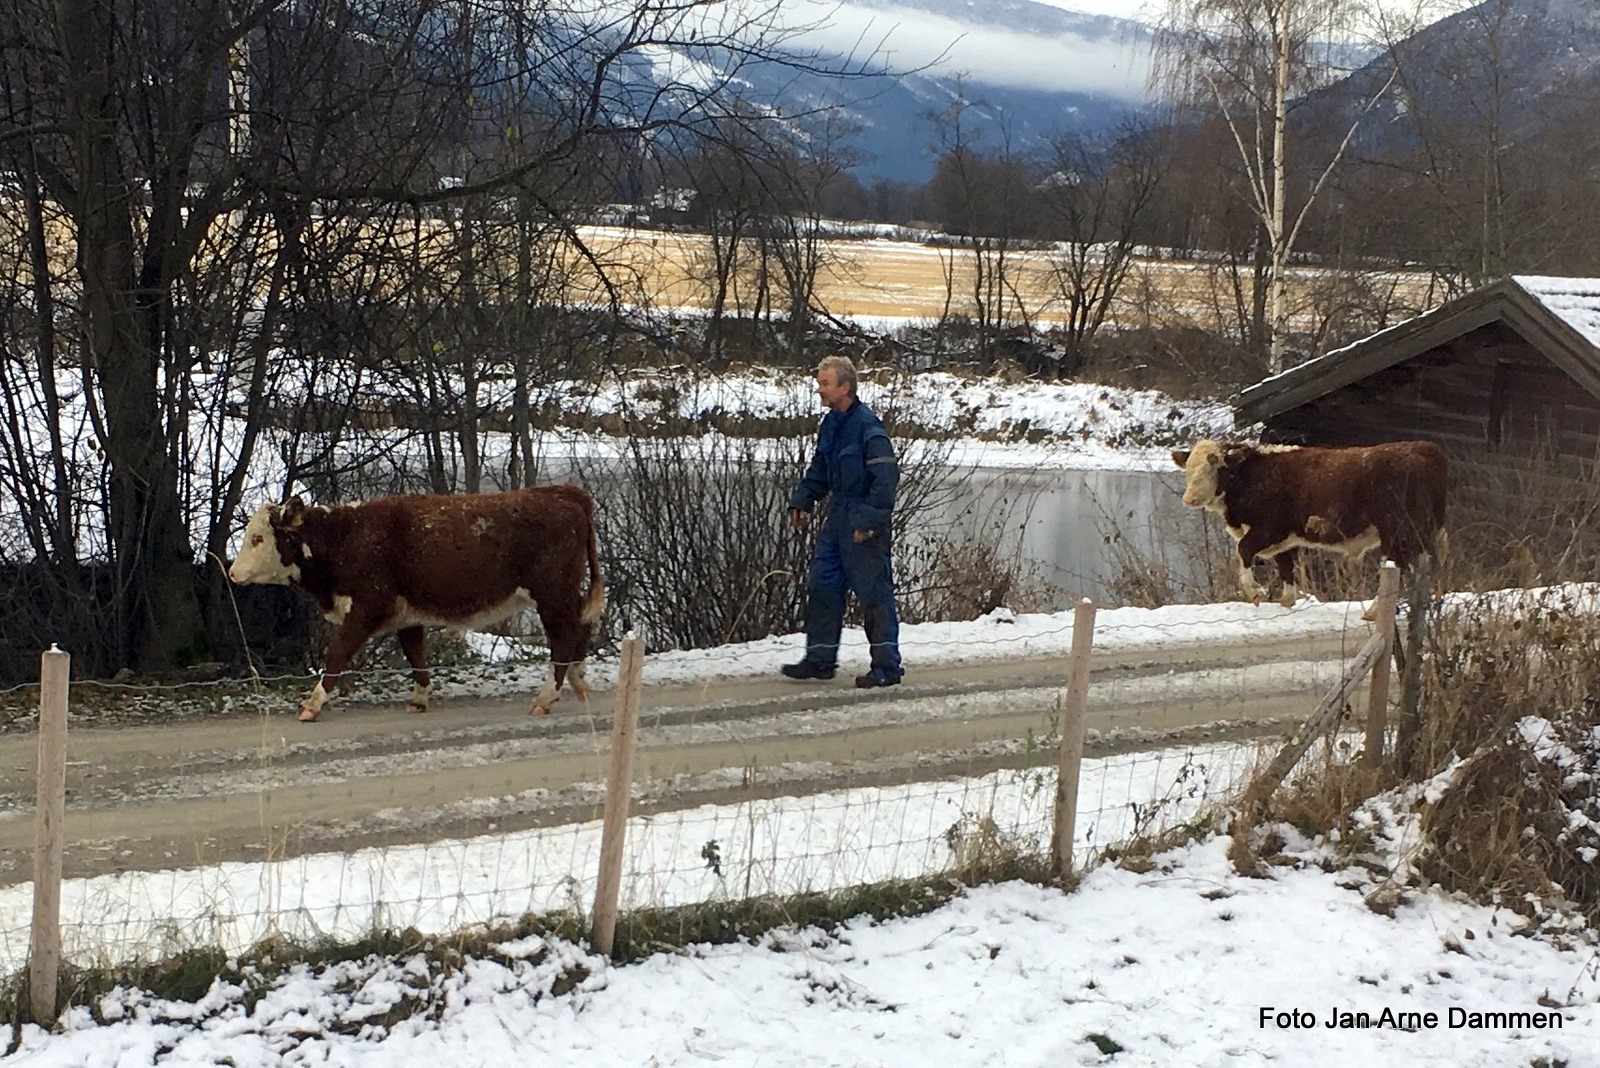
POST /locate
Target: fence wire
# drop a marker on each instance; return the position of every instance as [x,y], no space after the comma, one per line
[472,815]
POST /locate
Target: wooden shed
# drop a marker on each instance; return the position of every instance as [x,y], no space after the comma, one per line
[1506,379]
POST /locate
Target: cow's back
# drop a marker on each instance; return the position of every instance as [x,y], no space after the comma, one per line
[1396,489]
[454,556]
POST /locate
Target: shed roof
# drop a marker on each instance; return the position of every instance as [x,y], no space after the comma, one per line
[1559,317]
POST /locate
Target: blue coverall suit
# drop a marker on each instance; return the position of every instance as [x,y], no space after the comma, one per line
[855,462]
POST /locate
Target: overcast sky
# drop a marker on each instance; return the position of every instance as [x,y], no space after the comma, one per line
[992,55]
[1150,10]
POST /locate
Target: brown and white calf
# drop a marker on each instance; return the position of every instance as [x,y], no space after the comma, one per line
[1278,499]
[397,564]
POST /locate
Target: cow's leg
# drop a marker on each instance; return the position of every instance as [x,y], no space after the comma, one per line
[562,627]
[578,672]
[348,639]
[1286,561]
[1249,546]
[578,677]
[413,642]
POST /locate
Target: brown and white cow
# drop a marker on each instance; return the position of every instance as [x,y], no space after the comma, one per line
[397,564]
[1278,499]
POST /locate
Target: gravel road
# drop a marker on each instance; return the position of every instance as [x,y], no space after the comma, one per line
[199,790]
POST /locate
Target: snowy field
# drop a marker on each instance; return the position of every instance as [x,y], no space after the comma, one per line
[1188,963]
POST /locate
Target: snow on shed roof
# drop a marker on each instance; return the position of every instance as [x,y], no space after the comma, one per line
[1558,316]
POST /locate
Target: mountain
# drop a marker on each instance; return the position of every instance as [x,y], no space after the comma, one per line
[1030,70]
[1524,62]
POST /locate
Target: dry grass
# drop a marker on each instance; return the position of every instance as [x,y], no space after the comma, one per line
[966,580]
[1509,744]
[1512,692]
[1325,796]
[1551,534]
[916,280]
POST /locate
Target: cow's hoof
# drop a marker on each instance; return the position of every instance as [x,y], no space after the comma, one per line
[309,714]
[416,709]
[539,710]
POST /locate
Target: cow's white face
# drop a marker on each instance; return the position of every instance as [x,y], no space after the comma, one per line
[1201,466]
[259,560]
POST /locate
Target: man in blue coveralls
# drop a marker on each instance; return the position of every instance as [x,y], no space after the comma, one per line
[855,463]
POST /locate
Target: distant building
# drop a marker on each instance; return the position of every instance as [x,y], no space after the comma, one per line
[671,205]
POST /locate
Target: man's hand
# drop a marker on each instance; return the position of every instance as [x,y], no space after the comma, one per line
[798,516]
[860,536]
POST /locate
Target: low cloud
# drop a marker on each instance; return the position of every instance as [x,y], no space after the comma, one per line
[903,39]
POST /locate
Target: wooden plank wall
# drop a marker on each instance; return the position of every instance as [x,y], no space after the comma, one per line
[1486,391]
[1523,439]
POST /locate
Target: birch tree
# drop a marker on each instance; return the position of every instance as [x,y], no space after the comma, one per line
[1251,63]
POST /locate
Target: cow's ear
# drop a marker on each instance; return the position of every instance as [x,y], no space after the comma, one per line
[1232,458]
[294,511]
[1180,457]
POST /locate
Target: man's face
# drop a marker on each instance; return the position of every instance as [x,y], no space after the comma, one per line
[835,395]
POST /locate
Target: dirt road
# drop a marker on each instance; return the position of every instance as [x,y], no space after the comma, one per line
[245,787]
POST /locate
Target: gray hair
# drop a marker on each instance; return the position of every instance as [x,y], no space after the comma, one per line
[844,372]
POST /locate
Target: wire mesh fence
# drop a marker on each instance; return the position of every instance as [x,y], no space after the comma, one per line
[232,825]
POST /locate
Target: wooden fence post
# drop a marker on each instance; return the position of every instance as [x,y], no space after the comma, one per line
[1070,761]
[44,950]
[624,722]
[1405,739]
[1378,692]
[1254,804]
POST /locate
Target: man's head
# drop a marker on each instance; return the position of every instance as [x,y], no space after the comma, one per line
[836,383]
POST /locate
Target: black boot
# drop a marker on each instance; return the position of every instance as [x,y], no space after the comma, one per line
[806,670]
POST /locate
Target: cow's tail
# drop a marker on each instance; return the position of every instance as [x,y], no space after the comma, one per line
[594,602]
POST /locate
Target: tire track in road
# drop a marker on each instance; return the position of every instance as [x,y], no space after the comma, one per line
[246,787]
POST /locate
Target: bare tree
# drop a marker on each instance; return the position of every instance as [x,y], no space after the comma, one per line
[246,193]
[981,199]
[1094,201]
[794,236]
[731,199]
[1253,61]
[1467,212]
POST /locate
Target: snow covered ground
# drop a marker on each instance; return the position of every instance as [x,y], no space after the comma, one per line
[1187,963]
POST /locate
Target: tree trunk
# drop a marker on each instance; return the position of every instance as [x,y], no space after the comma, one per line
[124,323]
[1279,228]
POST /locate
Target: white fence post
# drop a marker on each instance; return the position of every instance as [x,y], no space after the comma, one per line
[1408,730]
[624,722]
[1070,761]
[1378,692]
[44,950]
